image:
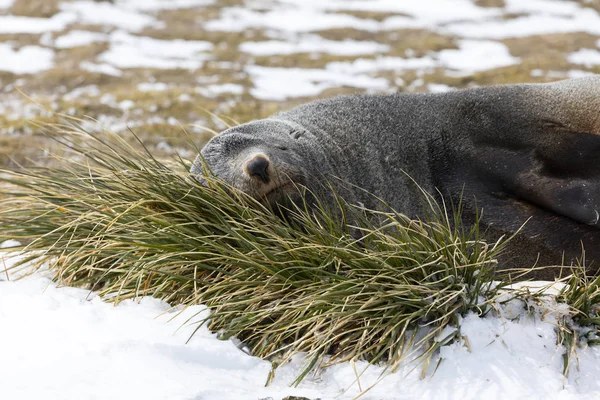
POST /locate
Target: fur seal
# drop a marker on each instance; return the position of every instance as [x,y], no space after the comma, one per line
[526,152]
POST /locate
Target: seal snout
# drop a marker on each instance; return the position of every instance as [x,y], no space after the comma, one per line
[258,166]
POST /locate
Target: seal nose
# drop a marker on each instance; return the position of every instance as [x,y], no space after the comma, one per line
[258,166]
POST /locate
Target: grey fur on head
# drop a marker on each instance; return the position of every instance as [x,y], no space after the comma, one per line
[515,151]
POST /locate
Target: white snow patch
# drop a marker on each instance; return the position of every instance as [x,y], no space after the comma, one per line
[216,90]
[313,44]
[585,20]
[9,243]
[551,7]
[574,73]
[77,347]
[291,20]
[26,60]
[88,91]
[128,51]
[587,57]
[439,88]
[100,68]
[428,11]
[6,3]
[281,83]
[156,5]
[431,12]
[77,38]
[17,24]
[577,73]
[104,13]
[368,65]
[152,87]
[476,55]
[460,17]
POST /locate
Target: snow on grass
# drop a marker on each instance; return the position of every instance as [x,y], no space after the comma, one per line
[313,44]
[586,20]
[586,57]
[128,51]
[236,19]
[476,55]
[26,60]
[542,17]
[152,87]
[100,68]
[439,88]
[156,5]
[427,11]
[460,17]
[77,38]
[368,65]
[431,12]
[211,91]
[571,74]
[6,3]
[280,83]
[18,24]
[104,13]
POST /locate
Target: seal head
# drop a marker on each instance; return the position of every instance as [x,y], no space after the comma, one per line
[267,159]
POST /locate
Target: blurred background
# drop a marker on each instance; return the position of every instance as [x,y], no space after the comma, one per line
[159,67]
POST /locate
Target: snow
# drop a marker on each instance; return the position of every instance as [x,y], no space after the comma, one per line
[586,57]
[152,87]
[216,90]
[584,21]
[129,51]
[18,24]
[156,5]
[290,20]
[73,345]
[475,55]
[310,44]
[439,88]
[100,68]
[279,83]
[6,3]
[368,65]
[104,13]
[77,38]
[26,60]
[460,17]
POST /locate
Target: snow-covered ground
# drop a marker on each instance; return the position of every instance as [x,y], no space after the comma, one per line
[66,343]
[63,343]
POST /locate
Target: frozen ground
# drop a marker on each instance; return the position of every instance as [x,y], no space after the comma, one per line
[65,343]
[158,65]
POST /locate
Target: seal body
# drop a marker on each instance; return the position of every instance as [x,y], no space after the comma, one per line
[519,153]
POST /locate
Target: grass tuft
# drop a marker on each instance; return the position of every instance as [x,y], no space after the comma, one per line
[121,222]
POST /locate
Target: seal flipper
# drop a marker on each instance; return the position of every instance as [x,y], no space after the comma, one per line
[543,146]
[562,176]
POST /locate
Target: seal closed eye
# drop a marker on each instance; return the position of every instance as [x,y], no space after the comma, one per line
[528,152]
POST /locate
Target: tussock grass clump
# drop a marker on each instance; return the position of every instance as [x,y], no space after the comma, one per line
[582,325]
[118,221]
